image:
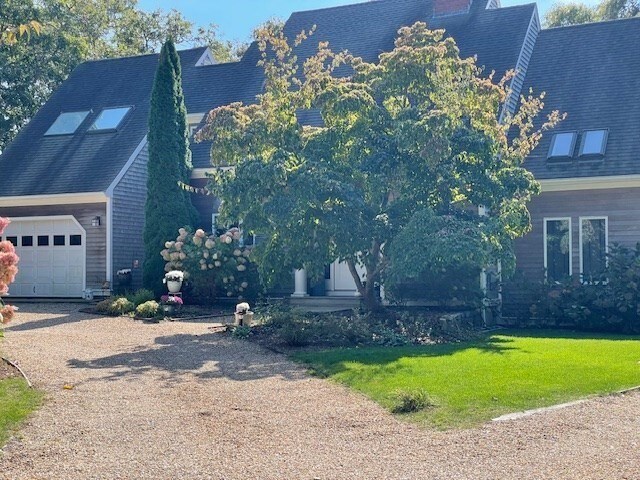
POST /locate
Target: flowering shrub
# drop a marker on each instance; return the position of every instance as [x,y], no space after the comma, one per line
[171,300]
[8,271]
[214,266]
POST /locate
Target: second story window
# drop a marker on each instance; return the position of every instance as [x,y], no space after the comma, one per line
[562,145]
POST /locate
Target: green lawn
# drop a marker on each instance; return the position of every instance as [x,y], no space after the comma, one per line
[17,401]
[470,383]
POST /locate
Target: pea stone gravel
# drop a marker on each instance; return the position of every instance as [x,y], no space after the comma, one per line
[176,401]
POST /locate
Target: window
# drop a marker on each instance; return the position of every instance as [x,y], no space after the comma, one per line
[594,142]
[67,123]
[27,241]
[109,119]
[593,247]
[562,145]
[75,240]
[58,240]
[13,240]
[43,240]
[557,248]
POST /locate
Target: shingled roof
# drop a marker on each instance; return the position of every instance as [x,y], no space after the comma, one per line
[88,162]
[592,73]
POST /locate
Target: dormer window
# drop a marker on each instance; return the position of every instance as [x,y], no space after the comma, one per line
[109,119]
[67,123]
[594,142]
[562,145]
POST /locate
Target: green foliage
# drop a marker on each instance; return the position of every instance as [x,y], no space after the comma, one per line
[73,32]
[148,309]
[141,296]
[215,266]
[115,306]
[293,327]
[610,303]
[120,306]
[472,382]
[17,401]
[564,14]
[241,331]
[168,206]
[411,401]
[417,131]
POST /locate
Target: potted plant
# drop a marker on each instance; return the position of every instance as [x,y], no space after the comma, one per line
[171,303]
[174,280]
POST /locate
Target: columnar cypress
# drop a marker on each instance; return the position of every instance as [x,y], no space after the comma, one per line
[168,206]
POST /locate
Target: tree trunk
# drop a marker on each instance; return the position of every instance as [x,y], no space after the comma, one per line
[366,289]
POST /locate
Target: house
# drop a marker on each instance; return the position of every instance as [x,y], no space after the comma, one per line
[588,166]
[74,180]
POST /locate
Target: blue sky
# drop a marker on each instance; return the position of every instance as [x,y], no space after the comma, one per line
[237,18]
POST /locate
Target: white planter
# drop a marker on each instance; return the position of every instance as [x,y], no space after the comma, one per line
[174,287]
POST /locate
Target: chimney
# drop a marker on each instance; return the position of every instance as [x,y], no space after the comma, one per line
[445,8]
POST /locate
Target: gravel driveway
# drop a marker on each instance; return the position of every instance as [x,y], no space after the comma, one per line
[175,401]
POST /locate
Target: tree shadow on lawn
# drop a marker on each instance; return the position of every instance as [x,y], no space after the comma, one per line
[566,334]
[184,356]
[381,356]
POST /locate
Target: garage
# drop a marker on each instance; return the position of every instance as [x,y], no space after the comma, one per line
[52,255]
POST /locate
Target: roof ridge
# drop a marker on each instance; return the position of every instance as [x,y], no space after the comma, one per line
[141,55]
[592,24]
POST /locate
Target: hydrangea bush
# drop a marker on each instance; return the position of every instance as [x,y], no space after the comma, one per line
[214,266]
[8,271]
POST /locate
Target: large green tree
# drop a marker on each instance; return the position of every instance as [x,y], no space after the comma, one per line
[168,206]
[575,13]
[72,32]
[414,136]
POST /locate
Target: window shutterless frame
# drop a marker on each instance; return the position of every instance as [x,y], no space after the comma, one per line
[545,221]
[109,119]
[604,133]
[581,246]
[570,136]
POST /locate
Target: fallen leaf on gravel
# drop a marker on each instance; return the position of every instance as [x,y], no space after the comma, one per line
[68,387]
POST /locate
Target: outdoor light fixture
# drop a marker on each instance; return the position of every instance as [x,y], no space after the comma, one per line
[95,222]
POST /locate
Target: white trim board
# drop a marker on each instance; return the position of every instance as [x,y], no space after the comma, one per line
[57,199]
[589,183]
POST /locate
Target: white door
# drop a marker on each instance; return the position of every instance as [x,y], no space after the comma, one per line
[52,256]
[341,281]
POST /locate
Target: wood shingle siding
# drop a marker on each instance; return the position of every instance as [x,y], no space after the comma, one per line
[620,206]
[96,239]
[129,197]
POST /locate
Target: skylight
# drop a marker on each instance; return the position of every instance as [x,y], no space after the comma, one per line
[594,142]
[67,123]
[109,119]
[562,145]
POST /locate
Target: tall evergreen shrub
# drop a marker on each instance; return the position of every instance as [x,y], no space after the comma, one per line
[168,206]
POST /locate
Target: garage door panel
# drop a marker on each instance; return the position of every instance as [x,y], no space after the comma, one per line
[51,266]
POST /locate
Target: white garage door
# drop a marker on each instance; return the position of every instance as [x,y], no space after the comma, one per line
[52,256]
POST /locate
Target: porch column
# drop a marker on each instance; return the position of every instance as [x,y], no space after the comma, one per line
[301,284]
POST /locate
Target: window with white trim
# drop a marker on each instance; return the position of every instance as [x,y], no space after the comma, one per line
[67,123]
[594,142]
[562,145]
[557,248]
[594,239]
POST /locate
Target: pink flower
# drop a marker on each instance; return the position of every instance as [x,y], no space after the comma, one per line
[3,224]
